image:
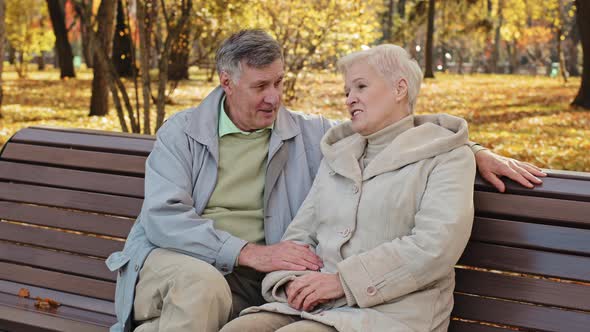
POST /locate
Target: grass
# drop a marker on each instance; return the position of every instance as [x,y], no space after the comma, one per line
[525,117]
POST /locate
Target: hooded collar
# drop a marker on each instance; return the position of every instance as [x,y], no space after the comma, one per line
[420,137]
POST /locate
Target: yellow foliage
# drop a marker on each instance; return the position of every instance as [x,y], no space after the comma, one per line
[27,30]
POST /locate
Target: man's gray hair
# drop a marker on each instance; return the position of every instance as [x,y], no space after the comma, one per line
[393,63]
[254,46]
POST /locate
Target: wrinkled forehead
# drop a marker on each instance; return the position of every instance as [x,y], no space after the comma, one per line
[272,71]
[358,71]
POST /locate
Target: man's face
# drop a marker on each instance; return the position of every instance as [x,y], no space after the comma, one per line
[255,99]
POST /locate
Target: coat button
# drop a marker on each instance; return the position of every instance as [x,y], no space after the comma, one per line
[355,189]
[332,173]
[371,290]
[346,232]
[136,267]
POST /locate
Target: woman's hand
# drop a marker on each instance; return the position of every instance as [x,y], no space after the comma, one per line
[307,291]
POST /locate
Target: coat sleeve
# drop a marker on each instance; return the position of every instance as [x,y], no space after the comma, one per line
[168,214]
[442,227]
[301,230]
[476,147]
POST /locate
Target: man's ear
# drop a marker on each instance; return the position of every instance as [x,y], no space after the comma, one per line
[225,82]
[401,89]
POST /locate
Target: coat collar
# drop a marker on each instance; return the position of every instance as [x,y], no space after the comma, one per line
[199,125]
[422,137]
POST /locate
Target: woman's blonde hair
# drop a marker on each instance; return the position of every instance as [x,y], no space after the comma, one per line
[393,63]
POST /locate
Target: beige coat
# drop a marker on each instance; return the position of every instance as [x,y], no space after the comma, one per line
[393,231]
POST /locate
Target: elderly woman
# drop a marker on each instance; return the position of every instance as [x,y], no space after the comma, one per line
[390,213]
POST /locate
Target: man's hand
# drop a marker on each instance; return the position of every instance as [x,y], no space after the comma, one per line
[285,255]
[307,291]
[492,167]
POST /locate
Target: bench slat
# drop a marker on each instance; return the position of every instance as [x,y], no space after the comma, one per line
[81,159]
[520,315]
[526,261]
[65,298]
[459,326]
[71,199]
[59,281]
[551,293]
[536,236]
[554,210]
[66,219]
[23,314]
[105,143]
[56,261]
[72,179]
[94,132]
[574,186]
[55,239]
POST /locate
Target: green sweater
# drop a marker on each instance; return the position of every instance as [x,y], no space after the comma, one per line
[236,205]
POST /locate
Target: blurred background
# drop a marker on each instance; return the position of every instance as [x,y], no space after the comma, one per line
[517,70]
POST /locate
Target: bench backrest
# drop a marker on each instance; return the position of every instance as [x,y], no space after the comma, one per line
[527,264]
[69,197]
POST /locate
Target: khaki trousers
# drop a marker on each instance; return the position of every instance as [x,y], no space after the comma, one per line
[271,322]
[177,292]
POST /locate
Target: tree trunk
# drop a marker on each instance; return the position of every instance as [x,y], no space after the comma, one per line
[572,61]
[62,44]
[401,8]
[497,39]
[11,51]
[583,10]
[87,52]
[144,64]
[178,64]
[388,22]
[122,45]
[41,61]
[99,102]
[512,50]
[428,72]
[171,39]
[2,42]
[559,30]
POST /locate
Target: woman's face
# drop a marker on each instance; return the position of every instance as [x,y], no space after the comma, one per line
[373,102]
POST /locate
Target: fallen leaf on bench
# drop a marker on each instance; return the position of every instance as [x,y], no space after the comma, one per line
[46,304]
[23,292]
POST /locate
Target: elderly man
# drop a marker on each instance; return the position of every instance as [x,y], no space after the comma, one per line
[222,183]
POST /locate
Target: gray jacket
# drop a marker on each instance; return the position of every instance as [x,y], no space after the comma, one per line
[180,177]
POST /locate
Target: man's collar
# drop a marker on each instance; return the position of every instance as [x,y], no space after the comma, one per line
[199,124]
[226,125]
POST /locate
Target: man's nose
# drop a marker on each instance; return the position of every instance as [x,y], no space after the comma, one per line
[272,97]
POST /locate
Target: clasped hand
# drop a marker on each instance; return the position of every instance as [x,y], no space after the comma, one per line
[285,255]
[307,291]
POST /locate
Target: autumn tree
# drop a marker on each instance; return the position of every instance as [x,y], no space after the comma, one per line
[122,45]
[428,70]
[211,23]
[25,31]
[87,51]
[105,21]
[62,44]
[583,10]
[2,43]
[317,33]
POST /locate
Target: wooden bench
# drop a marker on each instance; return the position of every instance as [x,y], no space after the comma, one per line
[69,197]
